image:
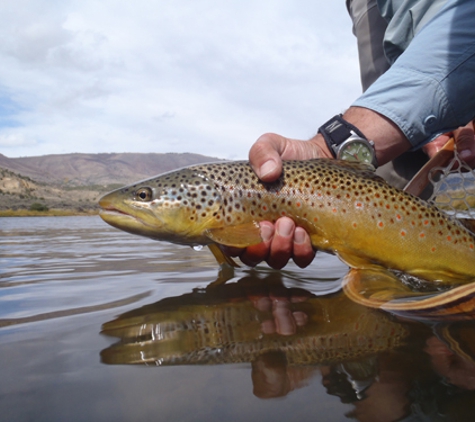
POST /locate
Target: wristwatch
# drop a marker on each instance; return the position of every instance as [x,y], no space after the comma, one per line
[346,142]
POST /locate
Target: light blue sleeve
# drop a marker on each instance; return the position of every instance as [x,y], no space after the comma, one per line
[430,88]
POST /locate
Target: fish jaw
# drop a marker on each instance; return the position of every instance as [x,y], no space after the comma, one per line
[120,214]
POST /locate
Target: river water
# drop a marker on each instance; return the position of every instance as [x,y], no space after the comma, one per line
[99,325]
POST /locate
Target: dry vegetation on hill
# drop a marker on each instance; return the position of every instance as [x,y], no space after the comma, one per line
[73,183]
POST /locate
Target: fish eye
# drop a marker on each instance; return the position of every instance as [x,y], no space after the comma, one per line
[143,194]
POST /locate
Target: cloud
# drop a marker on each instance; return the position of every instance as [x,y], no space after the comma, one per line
[185,76]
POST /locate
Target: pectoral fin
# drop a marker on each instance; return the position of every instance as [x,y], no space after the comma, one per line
[221,257]
[240,236]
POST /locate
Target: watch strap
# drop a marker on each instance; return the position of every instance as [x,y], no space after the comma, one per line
[336,131]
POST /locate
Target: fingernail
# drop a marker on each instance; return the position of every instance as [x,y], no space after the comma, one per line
[285,227]
[266,233]
[299,235]
[267,168]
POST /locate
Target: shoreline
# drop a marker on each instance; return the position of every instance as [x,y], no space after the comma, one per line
[50,213]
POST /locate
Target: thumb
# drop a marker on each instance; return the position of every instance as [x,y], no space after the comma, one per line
[265,156]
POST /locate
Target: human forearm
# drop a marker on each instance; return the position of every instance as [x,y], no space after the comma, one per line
[388,139]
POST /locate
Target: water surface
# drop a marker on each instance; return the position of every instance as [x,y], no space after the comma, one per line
[100,325]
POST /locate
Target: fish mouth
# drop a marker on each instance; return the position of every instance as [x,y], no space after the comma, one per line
[125,220]
[116,217]
[110,210]
[113,212]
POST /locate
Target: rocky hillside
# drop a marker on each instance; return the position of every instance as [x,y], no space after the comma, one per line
[77,181]
[98,169]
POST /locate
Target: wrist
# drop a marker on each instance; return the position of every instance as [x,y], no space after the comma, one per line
[346,142]
[321,146]
[389,140]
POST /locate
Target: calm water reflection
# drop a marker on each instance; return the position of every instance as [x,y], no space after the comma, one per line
[100,325]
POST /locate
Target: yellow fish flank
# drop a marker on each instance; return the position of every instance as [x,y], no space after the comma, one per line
[346,209]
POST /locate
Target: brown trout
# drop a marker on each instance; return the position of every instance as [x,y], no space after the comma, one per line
[346,209]
[222,325]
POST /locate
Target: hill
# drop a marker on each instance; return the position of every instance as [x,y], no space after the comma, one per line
[76,181]
[98,169]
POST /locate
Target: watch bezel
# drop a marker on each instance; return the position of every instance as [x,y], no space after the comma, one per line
[338,132]
[351,140]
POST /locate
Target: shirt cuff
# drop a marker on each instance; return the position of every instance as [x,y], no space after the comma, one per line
[414,101]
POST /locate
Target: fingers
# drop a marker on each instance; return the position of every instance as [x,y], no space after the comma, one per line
[465,143]
[265,156]
[281,242]
[255,254]
[303,253]
[269,150]
[281,247]
[434,147]
[284,321]
[288,242]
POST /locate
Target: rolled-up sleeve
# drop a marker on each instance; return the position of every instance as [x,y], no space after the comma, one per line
[430,88]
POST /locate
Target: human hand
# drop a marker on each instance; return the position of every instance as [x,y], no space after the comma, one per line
[284,320]
[464,141]
[270,149]
[282,240]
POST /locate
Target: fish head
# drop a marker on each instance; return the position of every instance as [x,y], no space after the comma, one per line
[176,207]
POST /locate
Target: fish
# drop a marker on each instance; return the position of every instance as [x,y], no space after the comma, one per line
[346,209]
[222,326]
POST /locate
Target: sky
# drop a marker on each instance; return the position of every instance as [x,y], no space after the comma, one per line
[201,76]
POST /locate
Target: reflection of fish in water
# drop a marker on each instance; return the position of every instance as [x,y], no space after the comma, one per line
[345,209]
[223,326]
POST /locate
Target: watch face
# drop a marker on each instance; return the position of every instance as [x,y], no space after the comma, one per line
[356,150]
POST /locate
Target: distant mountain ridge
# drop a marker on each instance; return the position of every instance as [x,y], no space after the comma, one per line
[99,169]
